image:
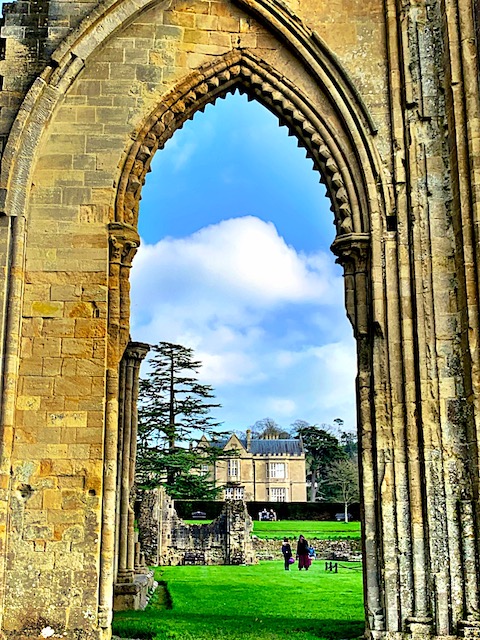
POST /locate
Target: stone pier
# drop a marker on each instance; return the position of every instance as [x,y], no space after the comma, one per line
[133,581]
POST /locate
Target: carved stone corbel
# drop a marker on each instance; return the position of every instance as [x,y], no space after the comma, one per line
[353,251]
[124,242]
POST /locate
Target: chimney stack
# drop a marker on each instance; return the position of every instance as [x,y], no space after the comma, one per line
[249,439]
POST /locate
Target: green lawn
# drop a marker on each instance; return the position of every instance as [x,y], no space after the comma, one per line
[260,602]
[293,528]
[309,528]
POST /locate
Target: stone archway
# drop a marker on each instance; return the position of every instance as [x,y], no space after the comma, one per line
[352,203]
[403,197]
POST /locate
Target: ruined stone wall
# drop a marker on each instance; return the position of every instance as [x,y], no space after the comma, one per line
[324,549]
[166,540]
[384,98]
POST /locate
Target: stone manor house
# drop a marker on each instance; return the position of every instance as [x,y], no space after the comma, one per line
[266,469]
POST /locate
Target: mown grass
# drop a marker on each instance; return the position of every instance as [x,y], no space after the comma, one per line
[309,528]
[260,602]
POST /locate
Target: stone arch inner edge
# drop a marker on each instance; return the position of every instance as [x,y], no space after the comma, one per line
[357,196]
[243,71]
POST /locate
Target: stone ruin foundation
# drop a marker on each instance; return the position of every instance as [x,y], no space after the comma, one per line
[347,550]
[166,539]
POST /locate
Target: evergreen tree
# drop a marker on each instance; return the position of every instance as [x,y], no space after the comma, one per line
[322,450]
[173,412]
[349,442]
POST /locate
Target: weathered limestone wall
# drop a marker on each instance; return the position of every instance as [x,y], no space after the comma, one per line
[166,540]
[30,33]
[386,105]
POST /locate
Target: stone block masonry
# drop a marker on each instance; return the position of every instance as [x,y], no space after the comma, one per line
[384,97]
[166,540]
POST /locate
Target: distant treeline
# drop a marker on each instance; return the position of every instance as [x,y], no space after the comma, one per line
[284,510]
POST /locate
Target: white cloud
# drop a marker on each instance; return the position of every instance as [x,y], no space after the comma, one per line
[316,384]
[225,291]
[182,151]
[280,407]
[244,259]
[230,367]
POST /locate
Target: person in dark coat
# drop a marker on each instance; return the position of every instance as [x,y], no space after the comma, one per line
[287,553]
[303,554]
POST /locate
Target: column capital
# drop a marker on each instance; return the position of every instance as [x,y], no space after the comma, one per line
[124,242]
[352,248]
[136,351]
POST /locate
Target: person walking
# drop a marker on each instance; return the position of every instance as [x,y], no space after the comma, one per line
[303,554]
[287,553]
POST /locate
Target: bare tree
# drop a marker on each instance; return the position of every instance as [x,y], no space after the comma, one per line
[344,482]
[267,427]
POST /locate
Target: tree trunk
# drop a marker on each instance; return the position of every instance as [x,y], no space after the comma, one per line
[171,426]
[313,487]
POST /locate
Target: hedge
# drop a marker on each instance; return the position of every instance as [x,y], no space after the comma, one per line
[284,510]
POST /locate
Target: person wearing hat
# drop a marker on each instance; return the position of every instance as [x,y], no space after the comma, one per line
[287,553]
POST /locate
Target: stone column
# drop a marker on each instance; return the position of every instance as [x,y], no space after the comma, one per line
[353,252]
[129,373]
[123,243]
[137,352]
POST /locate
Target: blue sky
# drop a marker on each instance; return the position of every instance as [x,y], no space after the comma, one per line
[235,263]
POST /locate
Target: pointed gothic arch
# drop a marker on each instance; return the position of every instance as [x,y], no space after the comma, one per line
[417,403]
[357,195]
[242,70]
[348,163]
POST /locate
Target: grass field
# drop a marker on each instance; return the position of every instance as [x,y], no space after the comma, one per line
[309,528]
[260,602]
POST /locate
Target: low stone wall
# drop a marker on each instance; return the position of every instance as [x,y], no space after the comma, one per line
[324,549]
[166,540]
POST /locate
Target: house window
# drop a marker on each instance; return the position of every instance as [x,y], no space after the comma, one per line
[276,470]
[234,493]
[234,468]
[278,494]
[204,469]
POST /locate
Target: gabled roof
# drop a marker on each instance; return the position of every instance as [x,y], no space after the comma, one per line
[261,447]
[291,447]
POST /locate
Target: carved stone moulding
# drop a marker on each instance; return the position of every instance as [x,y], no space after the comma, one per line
[239,70]
[124,242]
[352,249]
